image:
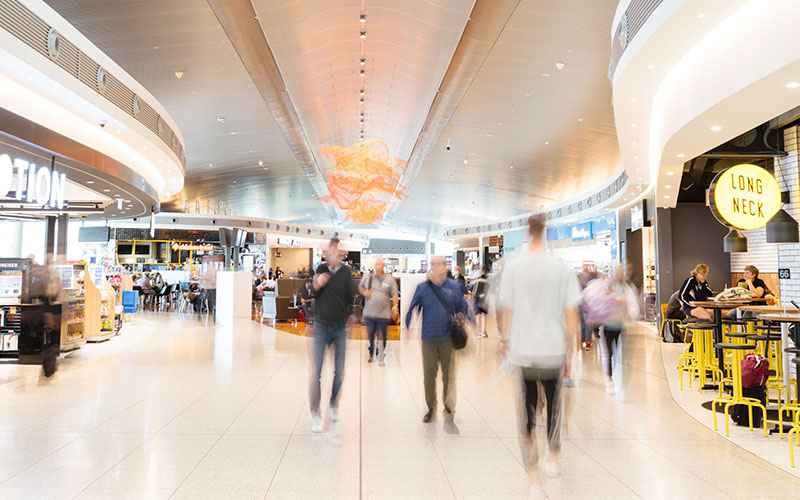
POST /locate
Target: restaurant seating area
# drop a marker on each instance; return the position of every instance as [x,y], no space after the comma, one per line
[713,359]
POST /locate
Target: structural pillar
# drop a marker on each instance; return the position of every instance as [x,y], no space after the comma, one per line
[481,257]
[50,240]
[61,242]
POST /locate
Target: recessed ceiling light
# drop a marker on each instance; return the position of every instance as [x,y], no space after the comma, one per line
[511,166]
[363,33]
[580,119]
[210,164]
[434,196]
[260,163]
[633,125]
[106,190]
[668,186]
[363,18]
[179,74]
[546,75]
[651,66]
[633,99]
[680,155]
[701,15]
[466,161]
[637,169]
[145,148]
[560,64]
[363,61]
[666,196]
[635,157]
[221,119]
[716,128]
[362,91]
[266,168]
[233,133]
[156,47]
[89,182]
[119,131]
[546,143]
[792,85]
[526,94]
[489,135]
[670,173]
[500,123]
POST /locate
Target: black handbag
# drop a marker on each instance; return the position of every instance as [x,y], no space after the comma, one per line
[458,334]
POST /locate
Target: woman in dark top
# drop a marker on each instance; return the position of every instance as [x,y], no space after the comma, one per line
[752,282]
[696,288]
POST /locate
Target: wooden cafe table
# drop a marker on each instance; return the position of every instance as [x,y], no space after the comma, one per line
[717,307]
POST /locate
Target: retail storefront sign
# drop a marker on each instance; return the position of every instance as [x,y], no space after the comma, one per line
[189,247]
[744,197]
[35,184]
[582,232]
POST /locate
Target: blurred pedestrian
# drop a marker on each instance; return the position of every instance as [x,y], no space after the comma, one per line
[380,306]
[539,299]
[438,298]
[619,307]
[333,290]
[480,294]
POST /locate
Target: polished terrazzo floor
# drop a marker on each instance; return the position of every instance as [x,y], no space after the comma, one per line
[178,409]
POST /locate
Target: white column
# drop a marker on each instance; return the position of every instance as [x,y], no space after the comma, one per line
[480,251]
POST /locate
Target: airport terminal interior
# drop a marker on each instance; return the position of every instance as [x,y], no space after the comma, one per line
[368,249]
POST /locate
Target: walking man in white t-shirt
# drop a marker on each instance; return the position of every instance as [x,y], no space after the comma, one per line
[540,327]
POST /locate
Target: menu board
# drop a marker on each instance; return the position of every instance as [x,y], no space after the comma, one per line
[11,288]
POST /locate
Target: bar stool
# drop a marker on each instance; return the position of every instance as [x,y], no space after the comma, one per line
[771,350]
[795,423]
[792,404]
[737,397]
[735,338]
[702,360]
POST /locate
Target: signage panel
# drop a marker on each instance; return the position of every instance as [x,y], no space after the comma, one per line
[34,184]
[582,232]
[189,247]
[744,197]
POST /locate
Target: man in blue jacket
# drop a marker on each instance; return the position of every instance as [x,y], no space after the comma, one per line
[438,298]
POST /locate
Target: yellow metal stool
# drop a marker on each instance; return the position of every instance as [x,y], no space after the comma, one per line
[737,398]
[792,405]
[696,361]
[795,423]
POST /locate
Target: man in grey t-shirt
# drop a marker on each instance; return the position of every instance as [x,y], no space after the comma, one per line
[380,305]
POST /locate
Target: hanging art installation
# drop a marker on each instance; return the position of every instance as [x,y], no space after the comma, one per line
[364,181]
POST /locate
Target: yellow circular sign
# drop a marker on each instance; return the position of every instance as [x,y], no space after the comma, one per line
[745,196]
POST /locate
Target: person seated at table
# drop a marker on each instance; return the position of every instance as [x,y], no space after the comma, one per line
[694,289]
[305,300]
[146,288]
[752,282]
[674,309]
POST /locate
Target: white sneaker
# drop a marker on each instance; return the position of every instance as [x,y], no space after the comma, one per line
[609,387]
[550,469]
[537,493]
[334,414]
[316,423]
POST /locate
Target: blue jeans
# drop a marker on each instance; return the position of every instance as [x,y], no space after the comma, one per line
[376,325]
[326,334]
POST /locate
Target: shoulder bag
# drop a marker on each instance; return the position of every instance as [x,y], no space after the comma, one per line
[458,334]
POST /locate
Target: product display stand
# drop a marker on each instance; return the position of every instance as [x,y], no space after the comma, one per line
[93,304]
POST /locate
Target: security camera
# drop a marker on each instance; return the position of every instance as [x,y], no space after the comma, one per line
[174,220]
[213,221]
[101,124]
[135,219]
[448,144]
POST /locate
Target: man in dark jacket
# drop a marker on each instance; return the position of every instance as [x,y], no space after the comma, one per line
[437,347]
[333,289]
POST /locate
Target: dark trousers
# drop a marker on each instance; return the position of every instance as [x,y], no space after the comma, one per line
[376,326]
[327,334]
[611,336]
[536,383]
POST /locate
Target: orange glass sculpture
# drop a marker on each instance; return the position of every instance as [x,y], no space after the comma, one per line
[364,181]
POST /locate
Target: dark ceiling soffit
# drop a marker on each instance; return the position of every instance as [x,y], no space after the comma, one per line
[486,23]
[56,144]
[239,20]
